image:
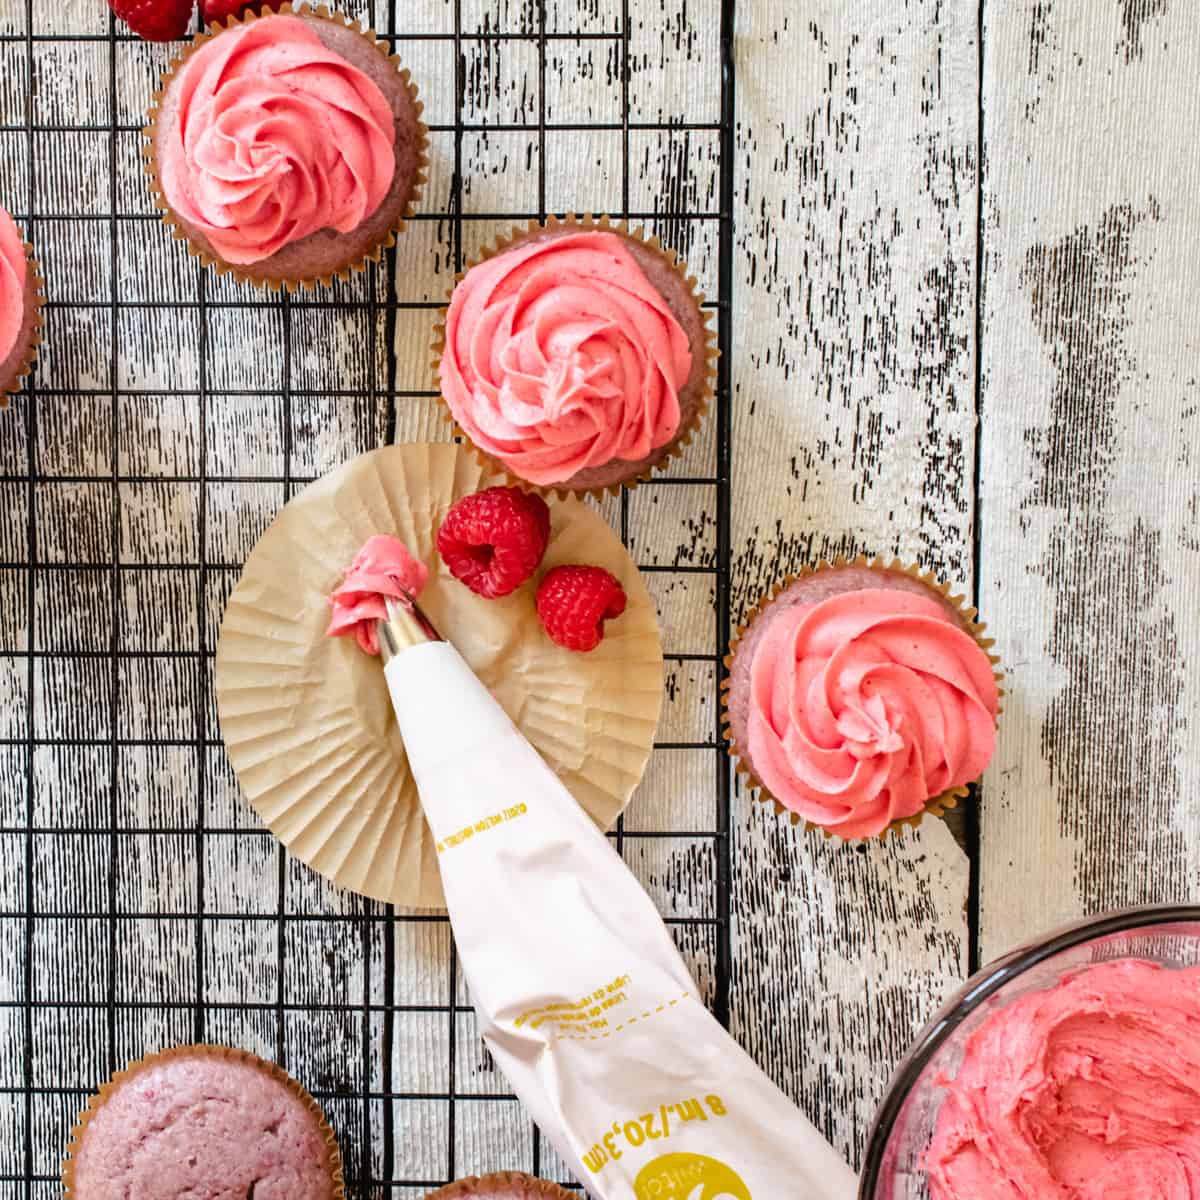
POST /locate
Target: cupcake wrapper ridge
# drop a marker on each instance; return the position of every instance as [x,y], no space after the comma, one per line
[209,1051]
[936,806]
[711,352]
[420,178]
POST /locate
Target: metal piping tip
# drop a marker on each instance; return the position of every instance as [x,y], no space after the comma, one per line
[406,626]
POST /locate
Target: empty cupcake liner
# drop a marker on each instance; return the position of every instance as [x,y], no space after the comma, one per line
[97,1101]
[711,353]
[31,351]
[937,805]
[307,719]
[372,255]
[505,1183]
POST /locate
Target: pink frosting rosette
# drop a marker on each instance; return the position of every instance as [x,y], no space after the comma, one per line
[277,137]
[865,706]
[560,355]
[14,269]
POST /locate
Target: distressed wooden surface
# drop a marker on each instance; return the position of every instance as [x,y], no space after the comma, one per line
[854,401]
[1090,544]
[142,905]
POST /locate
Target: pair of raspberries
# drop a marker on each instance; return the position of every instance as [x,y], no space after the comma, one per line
[169,20]
[494,541]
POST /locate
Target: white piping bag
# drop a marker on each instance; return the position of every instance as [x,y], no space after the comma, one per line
[582,997]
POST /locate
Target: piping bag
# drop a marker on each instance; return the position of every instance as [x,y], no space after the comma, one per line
[583,999]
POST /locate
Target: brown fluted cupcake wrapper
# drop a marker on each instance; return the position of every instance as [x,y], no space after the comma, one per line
[35,339]
[936,806]
[488,1185]
[219,265]
[209,1051]
[683,437]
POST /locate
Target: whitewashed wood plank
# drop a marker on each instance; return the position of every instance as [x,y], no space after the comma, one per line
[853,430]
[1090,556]
[678,794]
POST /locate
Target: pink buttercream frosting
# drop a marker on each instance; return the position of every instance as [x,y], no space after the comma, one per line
[277,138]
[1087,1090]
[865,706]
[13,268]
[383,569]
[203,1126]
[561,355]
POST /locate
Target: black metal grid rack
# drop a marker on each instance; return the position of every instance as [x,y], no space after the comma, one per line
[141,903]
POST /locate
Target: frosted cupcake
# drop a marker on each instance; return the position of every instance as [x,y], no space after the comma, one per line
[20,308]
[861,696]
[203,1121]
[507,1185]
[576,356]
[287,148]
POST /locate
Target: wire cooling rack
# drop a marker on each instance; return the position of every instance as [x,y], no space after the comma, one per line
[172,414]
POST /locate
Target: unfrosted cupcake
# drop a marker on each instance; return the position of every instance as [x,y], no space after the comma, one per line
[507,1185]
[203,1121]
[861,696]
[576,356]
[287,148]
[20,307]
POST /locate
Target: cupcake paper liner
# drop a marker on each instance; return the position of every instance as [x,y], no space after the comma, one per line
[937,805]
[31,351]
[210,1051]
[487,1185]
[374,253]
[307,720]
[710,351]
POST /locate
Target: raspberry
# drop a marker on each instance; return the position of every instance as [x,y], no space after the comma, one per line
[155,20]
[574,602]
[494,540]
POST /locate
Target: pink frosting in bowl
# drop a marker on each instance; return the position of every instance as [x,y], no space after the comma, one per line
[560,356]
[14,269]
[276,137]
[1085,1090]
[858,709]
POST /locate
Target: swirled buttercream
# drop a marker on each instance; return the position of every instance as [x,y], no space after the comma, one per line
[1087,1090]
[867,705]
[561,355]
[13,269]
[383,569]
[277,137]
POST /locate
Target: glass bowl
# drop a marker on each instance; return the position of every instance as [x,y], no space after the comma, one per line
[904,1124]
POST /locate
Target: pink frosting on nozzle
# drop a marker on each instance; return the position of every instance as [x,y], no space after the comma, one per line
[382,570]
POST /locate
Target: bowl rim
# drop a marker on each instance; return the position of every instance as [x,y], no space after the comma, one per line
[984,983]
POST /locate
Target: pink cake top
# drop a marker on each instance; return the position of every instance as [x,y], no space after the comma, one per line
[13,268]
[277,138]
[1087,1090]
[382,570]
[203,1126]
[865,706]
[561,355]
